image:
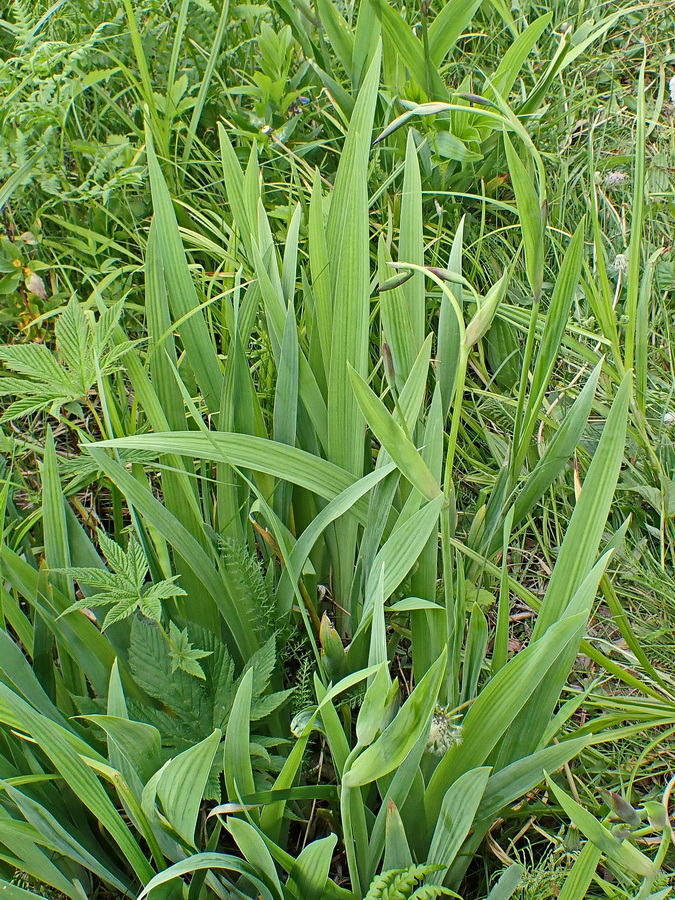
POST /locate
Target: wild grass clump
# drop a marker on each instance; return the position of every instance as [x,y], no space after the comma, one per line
[337,481]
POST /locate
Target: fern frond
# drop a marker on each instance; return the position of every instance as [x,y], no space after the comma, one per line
[400,884]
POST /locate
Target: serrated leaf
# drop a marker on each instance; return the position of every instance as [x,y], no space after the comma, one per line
[34,360]
[74,339]
[183,655]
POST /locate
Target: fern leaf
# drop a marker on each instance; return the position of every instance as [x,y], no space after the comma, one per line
[432,891]
[400,884]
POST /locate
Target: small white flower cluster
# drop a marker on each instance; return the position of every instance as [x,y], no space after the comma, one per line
[614,178]
[443,732]
[671,85]
[621,262]
[611,179]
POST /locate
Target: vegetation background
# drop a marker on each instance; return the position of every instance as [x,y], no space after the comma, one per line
[337,462]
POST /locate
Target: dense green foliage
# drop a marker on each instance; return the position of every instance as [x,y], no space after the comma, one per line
[338,476]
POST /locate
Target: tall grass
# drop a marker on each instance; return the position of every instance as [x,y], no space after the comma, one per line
[317,411]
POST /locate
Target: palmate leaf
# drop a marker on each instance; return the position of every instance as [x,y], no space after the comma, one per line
[183,655]
[9,386]
[49,384]
[122,610]
[124,588]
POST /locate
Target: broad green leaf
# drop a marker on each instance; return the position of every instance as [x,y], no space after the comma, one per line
[396,30]
[319,265]
[400,552]
[198,343]
[497,705]
[398,33]
[397,853]
[448,26]
[366,40]
[16,179]
[507,883]
[411,244]
[307,879]
[512,62]
[400,736]
[271,818]
[224,20]
[344,502]
[249,452]
[234,186]
[554,328]
[397,787]
[216,861]
[449,332]
[531,218]
[253,847]
[529,725]
[17,671]
[138,742]
[474,653]
[369,721]
[348,253]
[33,854]
[521,776]
[394,439]
[586,526]
[286,402]
[559,451]
[81,780]
[482,319]
[84,641]
[12,891]
[397,330]
[338,32]
[181,782]
[236,756]
[578,879]
[51,830]
[458,810]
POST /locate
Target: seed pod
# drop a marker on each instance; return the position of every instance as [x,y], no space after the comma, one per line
[332,649]
[623,810]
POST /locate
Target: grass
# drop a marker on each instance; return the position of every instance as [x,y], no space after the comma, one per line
[337,471]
